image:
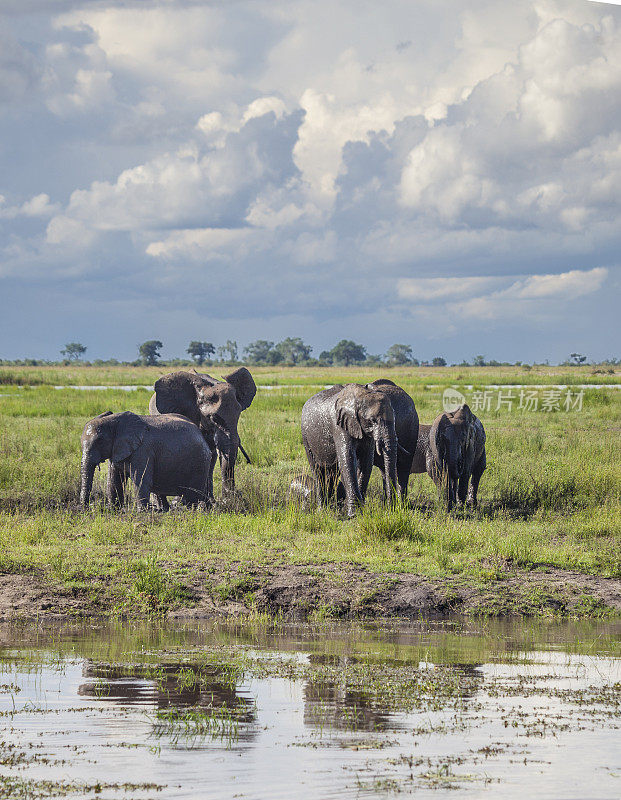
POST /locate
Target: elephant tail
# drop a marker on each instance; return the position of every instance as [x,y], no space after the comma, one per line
[245,454]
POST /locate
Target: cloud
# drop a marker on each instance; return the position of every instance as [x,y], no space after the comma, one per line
[533,295]
[398,161]
[19,71]
[194,186]
[37,206]
[427,289]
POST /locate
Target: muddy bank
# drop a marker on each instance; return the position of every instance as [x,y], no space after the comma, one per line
[316,591]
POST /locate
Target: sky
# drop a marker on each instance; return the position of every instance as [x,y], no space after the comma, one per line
[435,173]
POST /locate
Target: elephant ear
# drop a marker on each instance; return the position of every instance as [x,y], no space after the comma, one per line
[175,393]
[346,408]
[128,436]
[245,387]
[435,436]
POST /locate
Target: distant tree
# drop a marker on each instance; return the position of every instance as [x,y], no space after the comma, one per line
[373,360]
[325,357]
[478,361]
[398,354]
[578,359]
[73,351]
[200,351]
[294,350]
[150,352]
[229,348]
[438,361]
[347,352]
[262,352]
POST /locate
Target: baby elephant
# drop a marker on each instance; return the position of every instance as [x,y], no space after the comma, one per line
[452,452]
[166,455]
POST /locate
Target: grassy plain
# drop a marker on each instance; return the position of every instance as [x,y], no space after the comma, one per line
[549,498]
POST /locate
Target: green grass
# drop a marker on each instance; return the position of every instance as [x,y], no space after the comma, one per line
[79,375]
[550,495]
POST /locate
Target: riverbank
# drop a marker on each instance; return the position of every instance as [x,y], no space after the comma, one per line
[310,591]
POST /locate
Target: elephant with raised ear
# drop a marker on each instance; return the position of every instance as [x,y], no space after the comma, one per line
[166,455]
[214,405]
[455,455]
[342,428]
[406,426]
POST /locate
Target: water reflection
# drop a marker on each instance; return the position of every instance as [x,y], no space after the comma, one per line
[334,704]
[328,712]
[172,685]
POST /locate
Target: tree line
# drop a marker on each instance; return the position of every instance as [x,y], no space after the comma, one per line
[292,351]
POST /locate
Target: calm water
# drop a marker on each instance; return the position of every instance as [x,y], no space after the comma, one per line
[254,711]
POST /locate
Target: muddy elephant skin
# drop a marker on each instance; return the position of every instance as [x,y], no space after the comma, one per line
[406,427]
[166,455]
[455,455]
[214,405]
[342,428]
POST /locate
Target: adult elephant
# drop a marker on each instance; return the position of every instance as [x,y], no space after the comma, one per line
[214,405]
[406,426]
[166,455]
[455,458]
[342,428]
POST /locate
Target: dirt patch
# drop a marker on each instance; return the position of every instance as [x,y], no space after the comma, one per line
[325,590]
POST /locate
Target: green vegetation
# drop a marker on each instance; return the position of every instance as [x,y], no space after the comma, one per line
[549,498]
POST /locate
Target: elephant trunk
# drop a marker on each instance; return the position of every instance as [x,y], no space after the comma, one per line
[228,456]
[386,446]
[87,471]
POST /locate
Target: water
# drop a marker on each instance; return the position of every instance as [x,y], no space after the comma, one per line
[327,711]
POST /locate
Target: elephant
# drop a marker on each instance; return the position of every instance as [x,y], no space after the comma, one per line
[167,455]
[341,428]
[452,452]
[406,426]
[213,405]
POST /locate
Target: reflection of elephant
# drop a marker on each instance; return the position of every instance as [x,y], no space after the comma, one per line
[406,426]
[335,703]
[166,455]
[180,685]
[455,453]
[213,405]
[341,428]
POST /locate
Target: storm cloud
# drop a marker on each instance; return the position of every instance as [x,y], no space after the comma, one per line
[431,173]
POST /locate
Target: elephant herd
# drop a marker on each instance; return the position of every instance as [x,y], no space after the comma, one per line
[346,430]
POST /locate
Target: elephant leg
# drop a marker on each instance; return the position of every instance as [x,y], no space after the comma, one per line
[462,487]
[114,487]
[451,492]
[477,472]
[161,502]
[327,482]
[191,498]
[227,470]
[209,489]
[141,473]
[403,476]
[363,472]
[348,468]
